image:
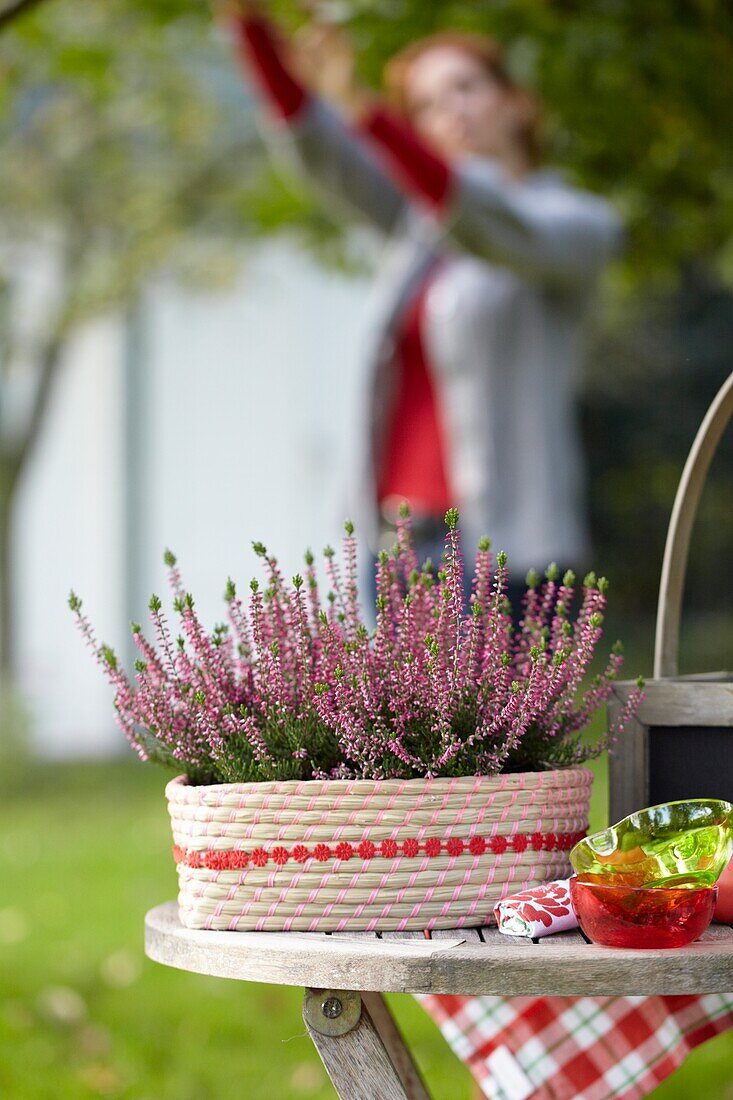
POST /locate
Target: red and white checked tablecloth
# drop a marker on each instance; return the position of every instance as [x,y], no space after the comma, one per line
[576,1048]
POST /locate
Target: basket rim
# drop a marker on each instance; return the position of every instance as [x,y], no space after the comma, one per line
[179,789]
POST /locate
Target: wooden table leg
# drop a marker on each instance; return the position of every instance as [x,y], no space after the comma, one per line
[361,1046]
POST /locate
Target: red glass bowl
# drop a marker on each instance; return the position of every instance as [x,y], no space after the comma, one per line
[642,917]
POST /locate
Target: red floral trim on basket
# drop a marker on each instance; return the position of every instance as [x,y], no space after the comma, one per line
[384,849]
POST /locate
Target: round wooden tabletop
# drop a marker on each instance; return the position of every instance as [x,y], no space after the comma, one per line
[461,961]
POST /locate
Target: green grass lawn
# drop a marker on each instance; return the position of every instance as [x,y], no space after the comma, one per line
[85,851]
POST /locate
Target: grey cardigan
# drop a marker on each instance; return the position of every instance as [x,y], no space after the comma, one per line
[504,327]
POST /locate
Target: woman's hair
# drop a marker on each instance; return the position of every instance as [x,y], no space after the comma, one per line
[527,114]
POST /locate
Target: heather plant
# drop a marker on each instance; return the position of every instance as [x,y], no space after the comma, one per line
[295,687]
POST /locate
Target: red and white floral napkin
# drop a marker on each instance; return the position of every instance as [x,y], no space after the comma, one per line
[537,912]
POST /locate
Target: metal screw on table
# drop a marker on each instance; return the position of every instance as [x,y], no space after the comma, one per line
[331,1008]
[332,1011]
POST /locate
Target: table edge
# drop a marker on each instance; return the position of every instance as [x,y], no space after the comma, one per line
[435,966]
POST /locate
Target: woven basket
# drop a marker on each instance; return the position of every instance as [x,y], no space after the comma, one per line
[362,854]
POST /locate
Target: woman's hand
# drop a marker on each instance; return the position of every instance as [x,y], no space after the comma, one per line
[324,59]
[320,54]
[236,9]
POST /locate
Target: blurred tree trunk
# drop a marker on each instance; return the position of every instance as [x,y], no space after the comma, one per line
[14,458]
[6,580]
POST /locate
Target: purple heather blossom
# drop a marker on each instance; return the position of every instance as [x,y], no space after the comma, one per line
[297,687]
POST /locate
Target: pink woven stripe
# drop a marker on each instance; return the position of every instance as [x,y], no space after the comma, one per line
[203,822]
[319,791]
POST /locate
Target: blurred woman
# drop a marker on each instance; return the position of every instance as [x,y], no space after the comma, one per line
[484,292]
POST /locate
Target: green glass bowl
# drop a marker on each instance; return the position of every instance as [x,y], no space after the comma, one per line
[675,844]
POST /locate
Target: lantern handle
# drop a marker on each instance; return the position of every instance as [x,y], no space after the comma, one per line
[684,510]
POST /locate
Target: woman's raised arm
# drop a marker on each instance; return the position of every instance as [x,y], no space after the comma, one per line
[545,230]
[549,231]
[329,149]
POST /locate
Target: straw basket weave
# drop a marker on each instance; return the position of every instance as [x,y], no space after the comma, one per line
[363,854]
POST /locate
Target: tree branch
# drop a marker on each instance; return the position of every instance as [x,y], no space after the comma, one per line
[14,452]
[14,9]
[47,358]
[49,362]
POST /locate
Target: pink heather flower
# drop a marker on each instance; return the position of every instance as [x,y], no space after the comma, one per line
[294,686]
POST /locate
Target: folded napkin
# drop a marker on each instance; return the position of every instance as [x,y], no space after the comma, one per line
[537,912]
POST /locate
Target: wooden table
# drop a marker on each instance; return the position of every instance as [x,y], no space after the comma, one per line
[346,974]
